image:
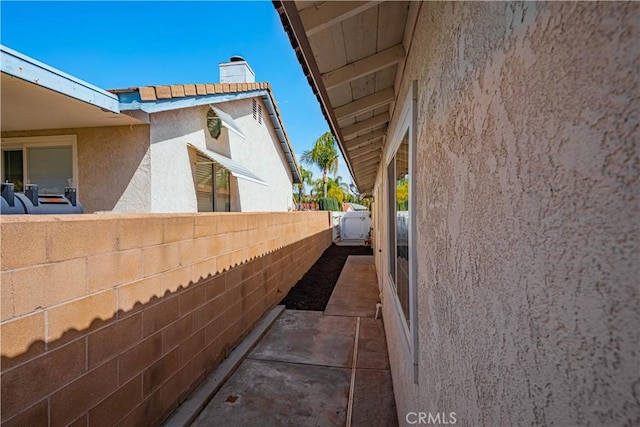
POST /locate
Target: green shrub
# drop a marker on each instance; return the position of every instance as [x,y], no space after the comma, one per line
[329,204]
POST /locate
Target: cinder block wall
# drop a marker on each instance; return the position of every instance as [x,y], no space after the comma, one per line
[111,319]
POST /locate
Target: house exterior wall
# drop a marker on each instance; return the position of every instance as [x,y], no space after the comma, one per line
[114,166]
[172,169]
[172,182]
[527,239]
[150,168]
[260,152]
[114,319]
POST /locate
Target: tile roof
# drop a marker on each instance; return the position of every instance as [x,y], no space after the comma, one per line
[154,93]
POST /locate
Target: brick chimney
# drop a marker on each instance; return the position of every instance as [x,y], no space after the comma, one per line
[236,71]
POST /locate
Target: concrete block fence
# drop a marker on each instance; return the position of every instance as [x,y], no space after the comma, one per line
[114,319]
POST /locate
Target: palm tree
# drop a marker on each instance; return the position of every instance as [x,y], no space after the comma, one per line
[316,188]
[324,155]
[335,188]
[338,182]
[305,177]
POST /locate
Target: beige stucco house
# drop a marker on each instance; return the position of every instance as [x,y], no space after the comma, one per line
[177,148]
[509,275]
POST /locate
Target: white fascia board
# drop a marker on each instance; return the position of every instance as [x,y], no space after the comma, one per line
[28,69]
[131,101]
[284,142]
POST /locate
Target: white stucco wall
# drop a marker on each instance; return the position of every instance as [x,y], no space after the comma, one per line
[172,184]
[527,188]
[172,170]
[261,153]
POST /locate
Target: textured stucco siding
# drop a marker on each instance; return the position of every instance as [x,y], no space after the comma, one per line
[527,185]
[172,179]
[261,153]
[172,162]
[114,166]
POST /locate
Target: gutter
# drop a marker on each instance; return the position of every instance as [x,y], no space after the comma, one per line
[282,136]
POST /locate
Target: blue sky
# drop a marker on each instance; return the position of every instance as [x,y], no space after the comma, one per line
[123,44]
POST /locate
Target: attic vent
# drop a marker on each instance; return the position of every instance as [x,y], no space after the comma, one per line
[257,111]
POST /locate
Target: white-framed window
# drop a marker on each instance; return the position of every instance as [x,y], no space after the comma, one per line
[399,197]
[401,247]
[51,162]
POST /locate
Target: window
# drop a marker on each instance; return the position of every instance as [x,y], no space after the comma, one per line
[212,197]
[49,162]
[13,168]
[391,226]
[398,176]
[401,230]
[222,195]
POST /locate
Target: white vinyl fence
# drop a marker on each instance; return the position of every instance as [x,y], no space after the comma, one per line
[349,226]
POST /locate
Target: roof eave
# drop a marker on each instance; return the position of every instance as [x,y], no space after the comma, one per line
[300,44]
[278,126]
[28,69]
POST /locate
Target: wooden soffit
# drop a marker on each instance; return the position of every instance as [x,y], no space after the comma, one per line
[353,54]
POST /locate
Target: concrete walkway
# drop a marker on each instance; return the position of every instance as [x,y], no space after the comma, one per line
[315,369]
[356,291]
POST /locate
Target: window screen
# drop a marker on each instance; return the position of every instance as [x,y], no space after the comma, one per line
[222,196]
[402,224]
[204,179]
[51,168]
[398,180]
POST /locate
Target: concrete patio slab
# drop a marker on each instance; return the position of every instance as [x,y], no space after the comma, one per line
[360,260]
[195,403]
[372,345]
[301,372]
[356,292]
[266,393]
[308,337]
[374,404]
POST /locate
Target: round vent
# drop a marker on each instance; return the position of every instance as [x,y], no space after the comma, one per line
[214,124]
